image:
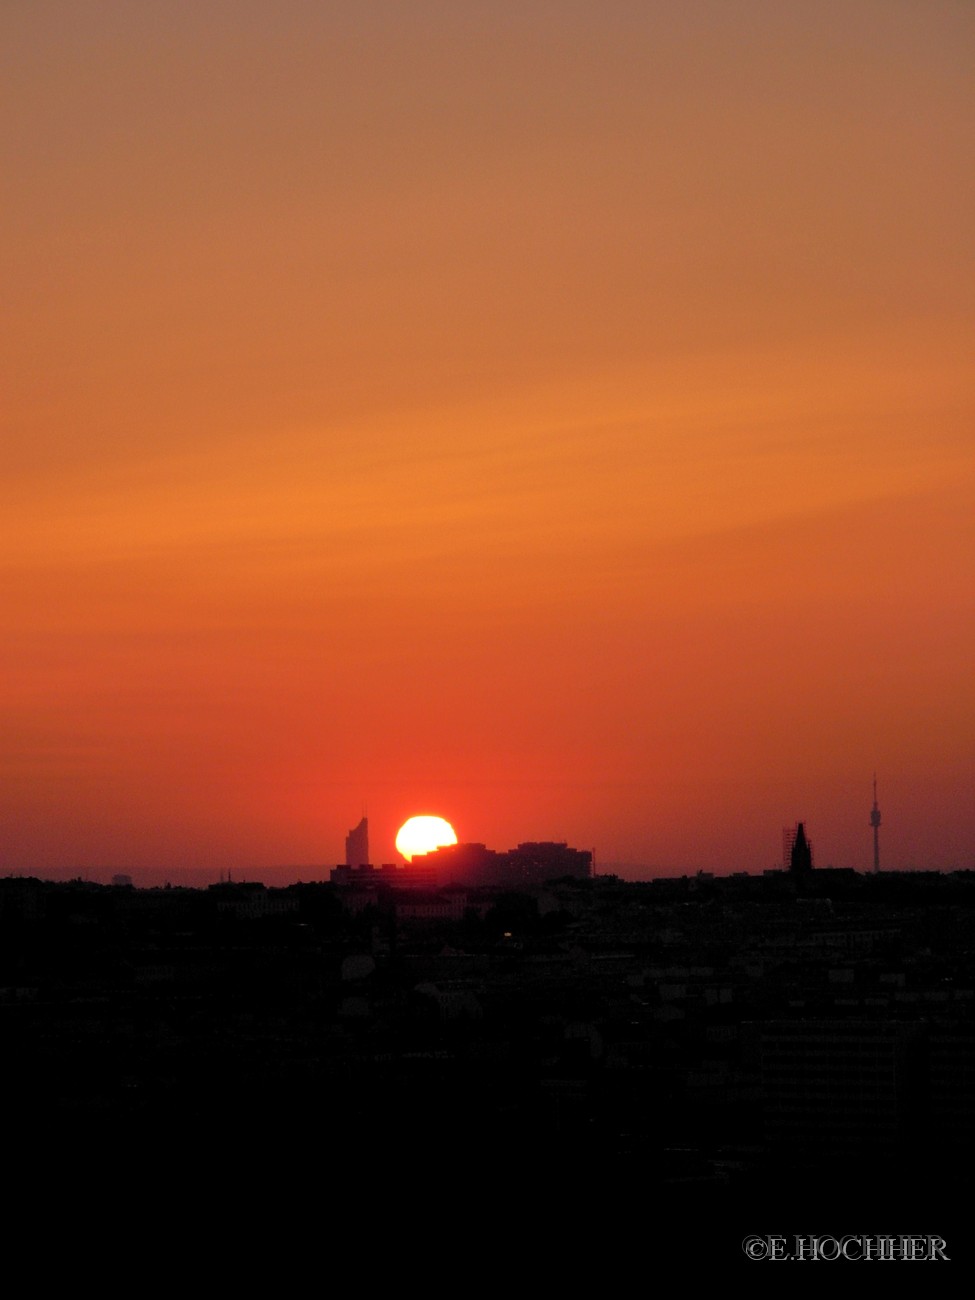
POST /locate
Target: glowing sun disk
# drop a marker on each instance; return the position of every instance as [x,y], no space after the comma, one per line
[423,835]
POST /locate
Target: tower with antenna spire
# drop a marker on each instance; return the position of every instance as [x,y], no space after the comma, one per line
[875,823]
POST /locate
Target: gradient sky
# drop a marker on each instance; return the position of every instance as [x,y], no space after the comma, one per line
[557,417]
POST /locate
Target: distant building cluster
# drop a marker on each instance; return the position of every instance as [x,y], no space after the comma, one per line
[473,866]
[531,863]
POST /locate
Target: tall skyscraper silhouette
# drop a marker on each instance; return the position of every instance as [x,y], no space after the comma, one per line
[357,845]
[875,823]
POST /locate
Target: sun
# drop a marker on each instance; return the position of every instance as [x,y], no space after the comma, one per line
[423,835]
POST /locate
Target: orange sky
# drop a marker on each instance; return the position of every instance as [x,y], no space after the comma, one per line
[555,417]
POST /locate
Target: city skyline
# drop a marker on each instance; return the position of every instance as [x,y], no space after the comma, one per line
[559,421]
[357,854]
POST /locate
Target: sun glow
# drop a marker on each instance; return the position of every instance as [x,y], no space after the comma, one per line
[423,835]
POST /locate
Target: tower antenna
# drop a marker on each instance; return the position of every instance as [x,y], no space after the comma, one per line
[875,823]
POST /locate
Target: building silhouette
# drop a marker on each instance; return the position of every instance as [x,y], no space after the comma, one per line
[530,863]
[841,1084]
[471,866]
[357,845]
[796,849]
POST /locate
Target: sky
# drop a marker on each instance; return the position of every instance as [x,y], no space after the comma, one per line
[555,417]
